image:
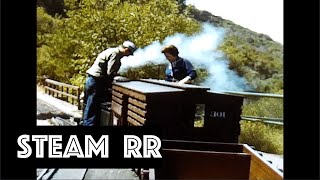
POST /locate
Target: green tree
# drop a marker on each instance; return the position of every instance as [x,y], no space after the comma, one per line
[52,7]
[46,25]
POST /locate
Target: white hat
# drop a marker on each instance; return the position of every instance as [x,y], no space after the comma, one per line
[130,45]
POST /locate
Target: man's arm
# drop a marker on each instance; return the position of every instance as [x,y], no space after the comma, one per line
[190,70]
[113,65]
[192,74]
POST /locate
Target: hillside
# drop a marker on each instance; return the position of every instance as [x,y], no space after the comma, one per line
[253,55]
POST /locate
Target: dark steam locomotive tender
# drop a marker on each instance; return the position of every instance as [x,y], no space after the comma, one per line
[150,102]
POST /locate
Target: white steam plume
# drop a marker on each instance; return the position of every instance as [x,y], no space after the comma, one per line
[201,51]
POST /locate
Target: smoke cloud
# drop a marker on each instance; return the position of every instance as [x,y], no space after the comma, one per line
[201,50]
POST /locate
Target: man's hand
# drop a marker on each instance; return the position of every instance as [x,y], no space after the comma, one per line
[121,79]
[185,80]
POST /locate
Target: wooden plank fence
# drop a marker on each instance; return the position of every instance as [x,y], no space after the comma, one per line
[63,91]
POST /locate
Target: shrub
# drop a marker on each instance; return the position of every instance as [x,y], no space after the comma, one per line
[264,137]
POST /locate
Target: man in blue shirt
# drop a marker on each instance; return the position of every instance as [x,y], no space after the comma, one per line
[179,70]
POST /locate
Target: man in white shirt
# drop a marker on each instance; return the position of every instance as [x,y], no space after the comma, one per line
[100,78]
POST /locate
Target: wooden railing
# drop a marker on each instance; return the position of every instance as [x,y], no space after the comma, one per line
[63,91]
[66,92]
